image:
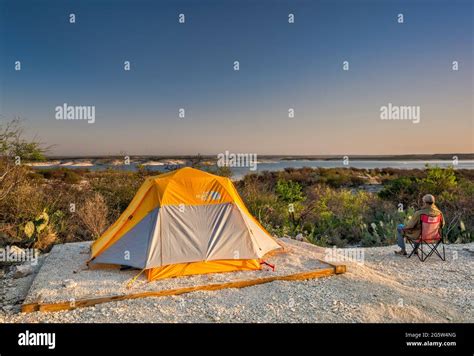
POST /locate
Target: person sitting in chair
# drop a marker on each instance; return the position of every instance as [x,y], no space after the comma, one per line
[412,230]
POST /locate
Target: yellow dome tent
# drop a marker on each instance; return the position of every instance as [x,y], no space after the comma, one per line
[182,223]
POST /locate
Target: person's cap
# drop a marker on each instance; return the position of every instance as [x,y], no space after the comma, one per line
[428,198]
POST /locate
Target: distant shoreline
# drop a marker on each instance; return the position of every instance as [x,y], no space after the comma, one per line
[265,163]
[407,157]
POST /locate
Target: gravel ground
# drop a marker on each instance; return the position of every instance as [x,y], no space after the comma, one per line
[67,263]
[384,288]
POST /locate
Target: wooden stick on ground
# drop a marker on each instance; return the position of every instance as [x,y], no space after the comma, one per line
[47,307]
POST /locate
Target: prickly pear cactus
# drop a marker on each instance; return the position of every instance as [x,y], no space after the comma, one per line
[41,221]
[29,229]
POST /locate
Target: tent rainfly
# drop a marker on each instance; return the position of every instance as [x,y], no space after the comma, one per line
[185,222]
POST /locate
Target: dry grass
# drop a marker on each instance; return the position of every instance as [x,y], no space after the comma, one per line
[93,214]
[46,240]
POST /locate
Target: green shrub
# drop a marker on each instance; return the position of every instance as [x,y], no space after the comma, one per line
[338,215]
[117,188]
[289,191]
[71,177]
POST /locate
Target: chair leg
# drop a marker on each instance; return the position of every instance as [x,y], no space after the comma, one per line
[414,246]
[421,254]
[434,249]
[444,254]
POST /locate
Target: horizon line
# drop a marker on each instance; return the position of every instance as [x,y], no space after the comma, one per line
[263,155]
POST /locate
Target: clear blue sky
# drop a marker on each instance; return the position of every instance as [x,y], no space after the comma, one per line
[281,66]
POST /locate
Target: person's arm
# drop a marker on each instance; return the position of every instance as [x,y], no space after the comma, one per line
[413,221]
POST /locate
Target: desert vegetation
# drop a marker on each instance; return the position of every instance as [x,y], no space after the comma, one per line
[338,207]
[326,206]
[333,206]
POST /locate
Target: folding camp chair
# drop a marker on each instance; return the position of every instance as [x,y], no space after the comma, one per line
[431,237]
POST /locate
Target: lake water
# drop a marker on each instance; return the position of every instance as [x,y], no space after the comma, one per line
[239,172]
[280,165]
